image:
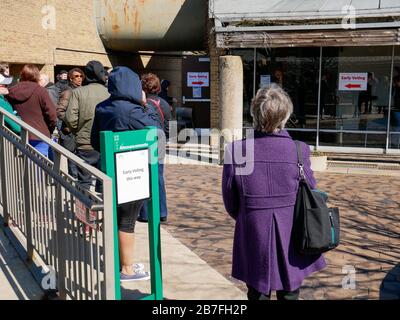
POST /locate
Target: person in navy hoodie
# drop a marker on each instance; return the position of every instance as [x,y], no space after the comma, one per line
[121,112]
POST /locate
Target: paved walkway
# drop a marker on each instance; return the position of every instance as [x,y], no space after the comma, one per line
[16,282]
[197,242]
[370,218]
[185,275]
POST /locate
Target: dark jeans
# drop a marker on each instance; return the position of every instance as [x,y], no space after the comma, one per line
[253,294]
[68,142]
[162,194]
[91,157]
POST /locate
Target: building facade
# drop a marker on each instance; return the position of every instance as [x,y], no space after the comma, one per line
[338,61]
[61,34]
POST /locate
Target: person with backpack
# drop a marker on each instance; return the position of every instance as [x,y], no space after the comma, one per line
[152,87]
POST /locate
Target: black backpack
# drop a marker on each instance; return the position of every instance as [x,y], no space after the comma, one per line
[316,228]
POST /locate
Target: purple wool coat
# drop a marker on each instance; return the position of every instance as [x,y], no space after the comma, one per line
[262,204]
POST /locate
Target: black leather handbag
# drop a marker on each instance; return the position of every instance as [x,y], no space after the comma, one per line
[316,228]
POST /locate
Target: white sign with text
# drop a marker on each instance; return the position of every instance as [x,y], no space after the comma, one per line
[198,79]
[132,175]
[353,81]
[265,80]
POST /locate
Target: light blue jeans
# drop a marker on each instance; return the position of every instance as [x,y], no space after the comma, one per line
[40,146]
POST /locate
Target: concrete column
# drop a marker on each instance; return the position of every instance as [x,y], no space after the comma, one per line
[231,97]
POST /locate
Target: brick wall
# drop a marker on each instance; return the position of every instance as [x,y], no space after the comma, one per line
[24,39]
[74,41]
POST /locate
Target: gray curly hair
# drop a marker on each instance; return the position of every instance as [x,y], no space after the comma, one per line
[271,109]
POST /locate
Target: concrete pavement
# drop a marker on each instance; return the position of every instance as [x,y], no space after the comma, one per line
[185,275]
[370,230]
[16,282]
[197,241]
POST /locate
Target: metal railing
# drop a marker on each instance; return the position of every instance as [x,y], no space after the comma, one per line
[52,214]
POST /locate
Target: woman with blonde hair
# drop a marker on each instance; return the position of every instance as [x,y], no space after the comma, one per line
[262,202]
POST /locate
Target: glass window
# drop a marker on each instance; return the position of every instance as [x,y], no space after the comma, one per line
[248,82]
[355,88]
[394,137]
[297,71]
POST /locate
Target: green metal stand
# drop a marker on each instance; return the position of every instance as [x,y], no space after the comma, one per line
[116,142]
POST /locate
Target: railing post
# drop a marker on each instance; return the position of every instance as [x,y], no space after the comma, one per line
[110,253]
[6,214]
[27,197]
[110,227]
[60,231]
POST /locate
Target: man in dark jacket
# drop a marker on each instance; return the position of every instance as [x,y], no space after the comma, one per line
[121,112]
[54,92]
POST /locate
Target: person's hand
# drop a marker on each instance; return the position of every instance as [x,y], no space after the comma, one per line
[174,100]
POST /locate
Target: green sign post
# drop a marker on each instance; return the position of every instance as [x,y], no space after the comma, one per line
[130,158]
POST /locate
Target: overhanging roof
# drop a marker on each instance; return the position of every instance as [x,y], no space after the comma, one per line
[293,23]
[226,11]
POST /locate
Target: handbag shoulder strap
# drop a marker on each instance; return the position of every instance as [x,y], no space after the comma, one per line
[157,104]
[300,163]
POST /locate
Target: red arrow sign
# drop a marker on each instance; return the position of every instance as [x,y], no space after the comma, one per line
[352,86]
[198,82]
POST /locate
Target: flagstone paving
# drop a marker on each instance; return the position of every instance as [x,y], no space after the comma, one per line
[365,266]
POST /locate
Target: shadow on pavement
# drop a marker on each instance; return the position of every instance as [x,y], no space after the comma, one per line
[21,283]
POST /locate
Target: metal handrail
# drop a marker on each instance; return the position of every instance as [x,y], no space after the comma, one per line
[55,146]
[45,204]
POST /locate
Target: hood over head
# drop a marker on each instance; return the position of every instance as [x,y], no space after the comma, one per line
[95,72]
[124,84]
[22,91]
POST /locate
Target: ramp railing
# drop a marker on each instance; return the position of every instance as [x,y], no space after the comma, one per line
[65,227]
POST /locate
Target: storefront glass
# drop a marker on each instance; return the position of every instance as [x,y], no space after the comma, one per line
[297,71]
[354,92]
[394,136]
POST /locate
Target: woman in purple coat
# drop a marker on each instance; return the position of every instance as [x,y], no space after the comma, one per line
[261,201]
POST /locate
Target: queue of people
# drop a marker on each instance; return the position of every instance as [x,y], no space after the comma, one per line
[80,105]
[261,203]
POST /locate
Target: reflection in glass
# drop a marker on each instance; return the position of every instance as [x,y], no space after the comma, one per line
[355,96]
[394,136]
[297,71]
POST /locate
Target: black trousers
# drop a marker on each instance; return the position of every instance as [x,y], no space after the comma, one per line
[68,142]
[253,294]
[91,157]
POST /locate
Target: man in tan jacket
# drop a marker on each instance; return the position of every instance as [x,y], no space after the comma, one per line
[80,113]
[66,138]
